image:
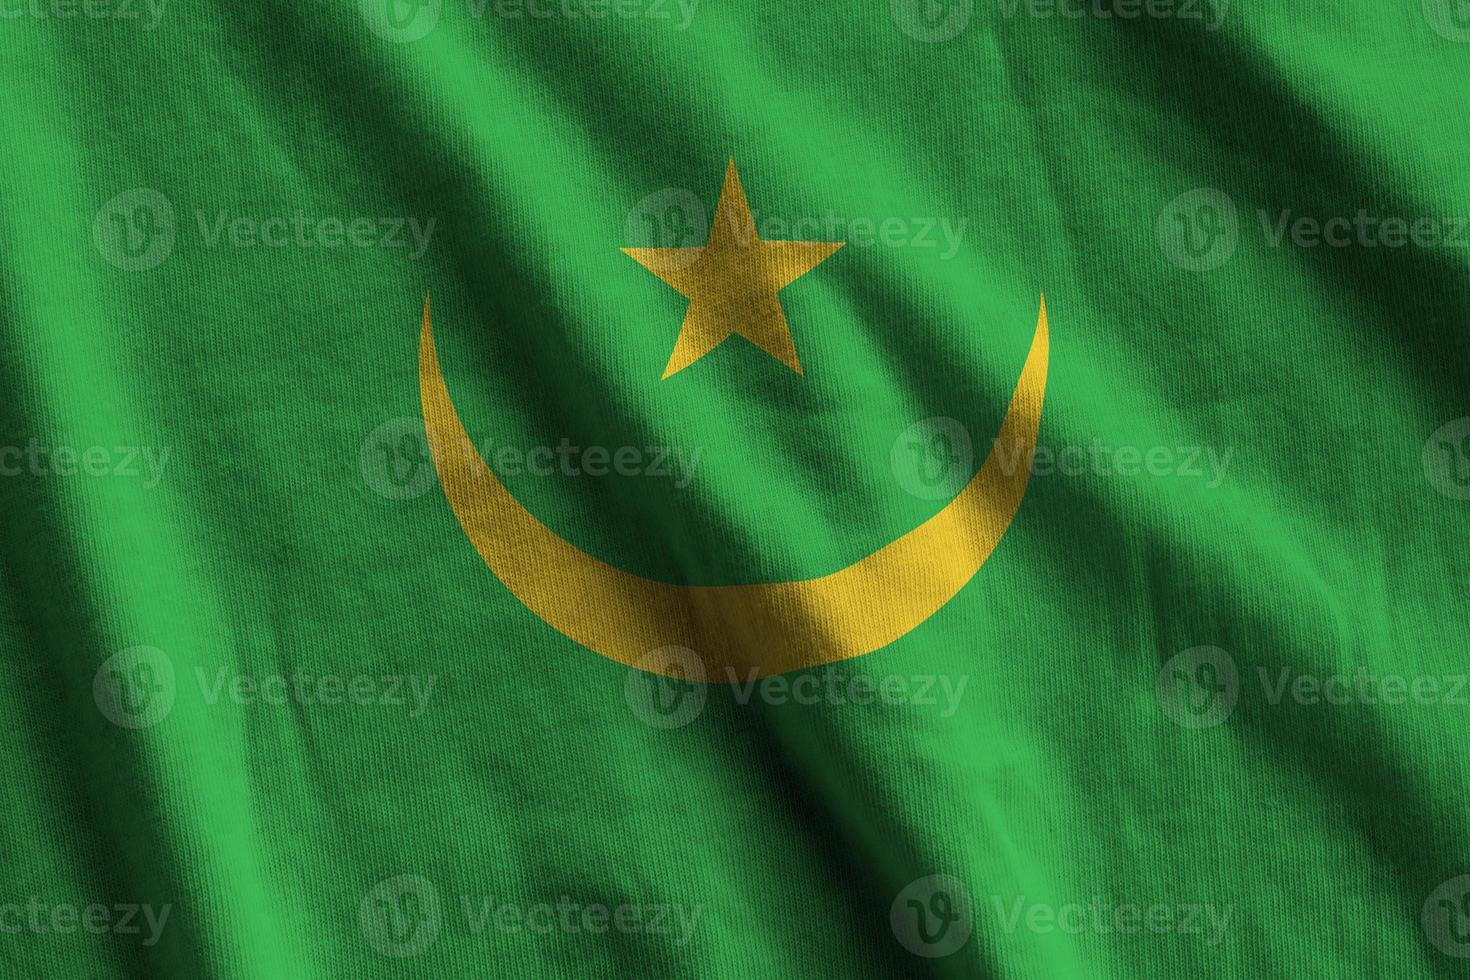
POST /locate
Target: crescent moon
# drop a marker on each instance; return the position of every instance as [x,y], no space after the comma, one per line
[737,631]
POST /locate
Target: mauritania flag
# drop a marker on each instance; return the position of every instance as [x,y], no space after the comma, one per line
[714,489]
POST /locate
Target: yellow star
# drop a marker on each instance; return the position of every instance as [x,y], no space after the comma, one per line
[732,281]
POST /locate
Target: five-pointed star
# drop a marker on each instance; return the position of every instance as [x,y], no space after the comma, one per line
[732,281]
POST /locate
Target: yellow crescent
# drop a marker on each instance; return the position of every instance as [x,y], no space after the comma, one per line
[737,631]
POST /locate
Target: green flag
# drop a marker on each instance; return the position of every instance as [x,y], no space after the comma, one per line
[661,488]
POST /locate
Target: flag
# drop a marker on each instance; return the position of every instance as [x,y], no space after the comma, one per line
[665,488]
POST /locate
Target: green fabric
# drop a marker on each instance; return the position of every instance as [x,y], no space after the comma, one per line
[1156,736]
